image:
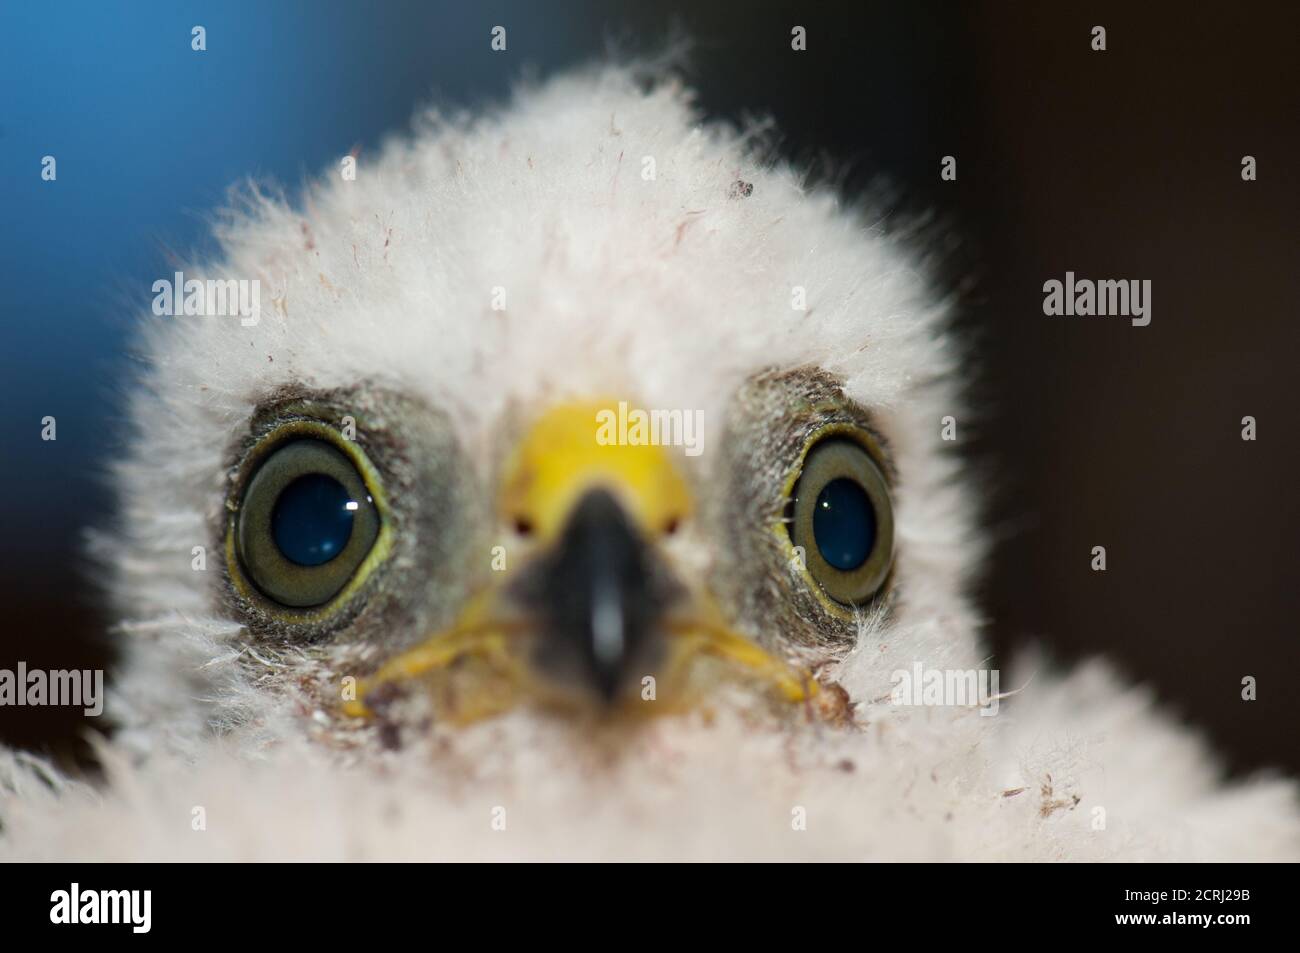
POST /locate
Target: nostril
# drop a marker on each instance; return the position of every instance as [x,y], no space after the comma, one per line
[671,526]
[523,526]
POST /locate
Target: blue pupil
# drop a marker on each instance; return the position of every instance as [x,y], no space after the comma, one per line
[312,519]
[844,524]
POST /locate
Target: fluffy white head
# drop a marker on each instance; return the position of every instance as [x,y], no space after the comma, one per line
[594,238]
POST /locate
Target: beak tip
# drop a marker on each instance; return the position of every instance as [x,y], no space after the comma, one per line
[601,597]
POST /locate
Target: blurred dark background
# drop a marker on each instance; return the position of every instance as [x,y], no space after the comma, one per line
[1122,164]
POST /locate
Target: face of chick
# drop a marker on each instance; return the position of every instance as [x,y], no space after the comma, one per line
[529,422]
[596,571]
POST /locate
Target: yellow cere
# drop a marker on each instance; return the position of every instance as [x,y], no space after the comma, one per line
[562,458]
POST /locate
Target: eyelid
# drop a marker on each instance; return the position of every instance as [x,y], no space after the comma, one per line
[861,433]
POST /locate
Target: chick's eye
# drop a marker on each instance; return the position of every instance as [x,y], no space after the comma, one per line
[842,517]
[305,523]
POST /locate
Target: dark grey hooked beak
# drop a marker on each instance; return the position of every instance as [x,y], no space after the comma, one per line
[600,596]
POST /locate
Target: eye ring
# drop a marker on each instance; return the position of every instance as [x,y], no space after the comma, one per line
[290,550]
[841,515]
